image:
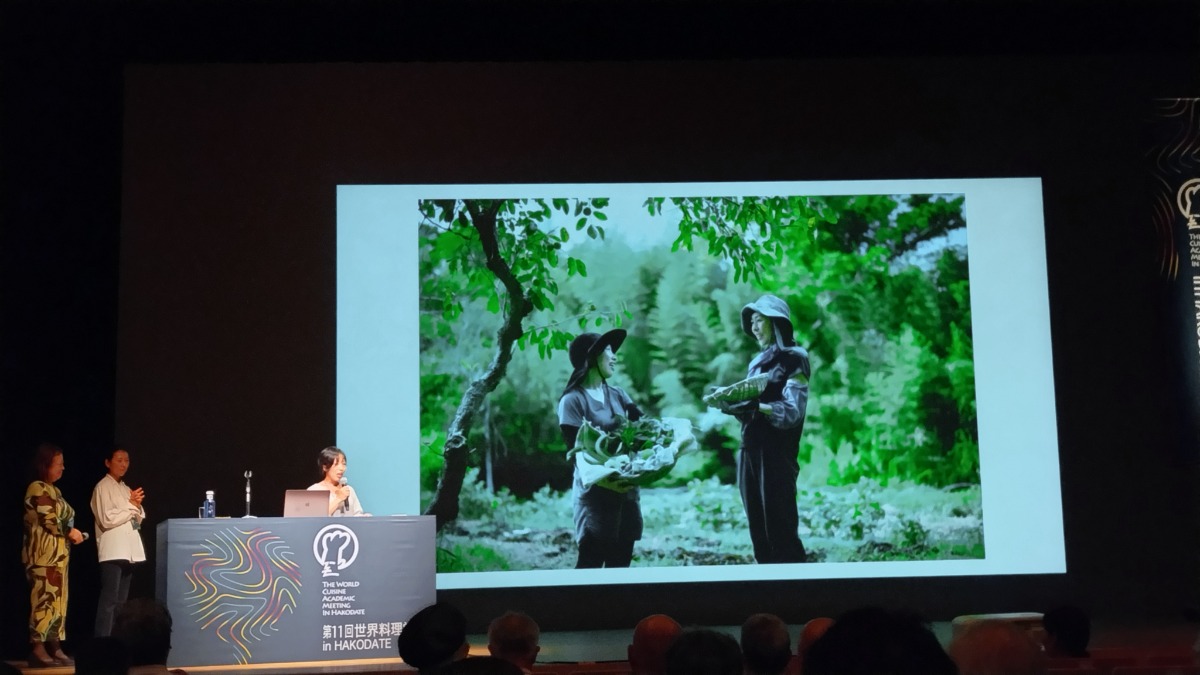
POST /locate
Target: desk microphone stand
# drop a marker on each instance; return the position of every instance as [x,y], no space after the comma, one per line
[248,474]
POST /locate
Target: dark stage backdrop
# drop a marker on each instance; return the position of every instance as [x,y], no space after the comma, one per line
[238,348]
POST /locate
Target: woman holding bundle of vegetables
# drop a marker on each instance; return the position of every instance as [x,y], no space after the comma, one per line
[772,422]
[608,517]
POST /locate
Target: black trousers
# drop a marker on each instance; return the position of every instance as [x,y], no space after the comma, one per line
[115,576]
[595,552]
[767,481]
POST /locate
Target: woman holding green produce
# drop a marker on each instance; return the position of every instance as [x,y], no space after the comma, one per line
[608,517]
[772,422]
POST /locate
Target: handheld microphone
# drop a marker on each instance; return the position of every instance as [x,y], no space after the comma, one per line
[345,502]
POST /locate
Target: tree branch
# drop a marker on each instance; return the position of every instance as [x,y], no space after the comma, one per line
[444,506]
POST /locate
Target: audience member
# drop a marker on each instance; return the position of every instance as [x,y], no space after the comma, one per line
[513,637]
[875,641]
[144,625]
[434,637]
[992,647]
[766,645]
[479,665]
[700,651]
[102,656]
[651,638]
[812,631]
[1068,631]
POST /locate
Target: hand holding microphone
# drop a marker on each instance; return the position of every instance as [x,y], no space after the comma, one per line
[343,494]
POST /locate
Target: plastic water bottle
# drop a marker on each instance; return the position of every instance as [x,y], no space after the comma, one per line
[210,505]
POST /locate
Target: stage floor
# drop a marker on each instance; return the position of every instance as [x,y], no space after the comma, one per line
[597,647]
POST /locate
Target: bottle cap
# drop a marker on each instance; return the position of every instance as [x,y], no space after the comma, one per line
[208,494]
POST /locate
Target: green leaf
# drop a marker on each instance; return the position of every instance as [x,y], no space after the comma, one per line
[599,321]
[591,231]
[494,304]
[580,224]
[563,235]
[581,268]
[599,215]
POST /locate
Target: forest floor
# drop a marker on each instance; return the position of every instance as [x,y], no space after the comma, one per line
[704,524]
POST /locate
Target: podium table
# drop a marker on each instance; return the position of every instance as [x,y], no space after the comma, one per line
[272,590]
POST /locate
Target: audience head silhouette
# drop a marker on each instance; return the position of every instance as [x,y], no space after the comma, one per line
[704,652]
[479,665]
[513,636]
[433,637]
[652,637]
[812,631]
[766,645]
[1068,631]
[102,656]
[993,647]
[144,625]
[875,641]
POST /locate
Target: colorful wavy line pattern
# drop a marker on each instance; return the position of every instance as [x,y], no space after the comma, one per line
[241,585]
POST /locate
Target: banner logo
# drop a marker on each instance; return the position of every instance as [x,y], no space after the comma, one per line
[1185,198]
[335,548]
[1174,148]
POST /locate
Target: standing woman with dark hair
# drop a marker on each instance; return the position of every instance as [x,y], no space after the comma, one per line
[772,423]
[49,531]
[119,515]
[608,515]
[343,500]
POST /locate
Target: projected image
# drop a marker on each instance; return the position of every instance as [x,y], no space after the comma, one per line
[662,381]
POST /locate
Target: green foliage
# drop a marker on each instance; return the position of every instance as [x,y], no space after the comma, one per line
[879,292]
[475,501]
[472,558]
[702,523]
[897,522]
[713,507]
[432,444]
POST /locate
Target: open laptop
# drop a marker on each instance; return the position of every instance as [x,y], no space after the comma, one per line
[301,503]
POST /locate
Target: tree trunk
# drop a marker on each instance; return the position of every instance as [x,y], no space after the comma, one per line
[445,500]
[489,448]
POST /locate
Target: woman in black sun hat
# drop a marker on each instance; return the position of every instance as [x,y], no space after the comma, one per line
[608,517]
[772,424]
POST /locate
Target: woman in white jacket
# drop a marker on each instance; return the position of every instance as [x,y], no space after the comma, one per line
[119,517]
